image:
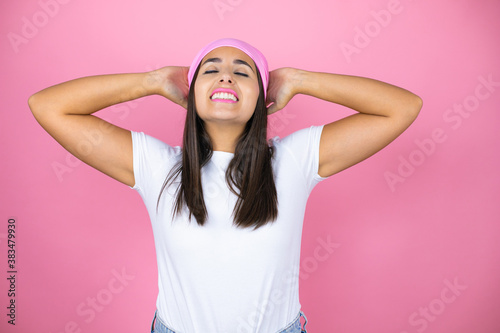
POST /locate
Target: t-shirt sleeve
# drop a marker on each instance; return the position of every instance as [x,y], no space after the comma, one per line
[303,148]
[152,158]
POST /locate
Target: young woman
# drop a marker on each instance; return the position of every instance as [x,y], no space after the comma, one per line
[227,207]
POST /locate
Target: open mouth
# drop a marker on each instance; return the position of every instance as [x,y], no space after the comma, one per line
[224,95]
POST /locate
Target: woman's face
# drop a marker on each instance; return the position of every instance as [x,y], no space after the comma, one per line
[226,88]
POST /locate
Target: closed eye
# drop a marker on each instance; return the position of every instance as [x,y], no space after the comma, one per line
[216,71]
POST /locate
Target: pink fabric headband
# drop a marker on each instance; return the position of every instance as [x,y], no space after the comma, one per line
[252,52]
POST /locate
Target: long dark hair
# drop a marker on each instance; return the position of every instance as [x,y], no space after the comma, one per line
[250,170]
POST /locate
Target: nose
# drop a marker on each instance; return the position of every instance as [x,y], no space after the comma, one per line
[225,77]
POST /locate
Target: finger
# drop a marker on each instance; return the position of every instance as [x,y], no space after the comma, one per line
[268,100]
[184,103]
[272,109]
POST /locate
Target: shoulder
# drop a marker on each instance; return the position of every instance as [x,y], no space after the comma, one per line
[150,147]
[152,160]
[298,154]
[300,139]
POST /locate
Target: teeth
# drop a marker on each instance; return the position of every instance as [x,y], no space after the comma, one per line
[223,95]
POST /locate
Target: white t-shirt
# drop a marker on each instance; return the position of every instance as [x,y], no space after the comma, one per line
[218,278]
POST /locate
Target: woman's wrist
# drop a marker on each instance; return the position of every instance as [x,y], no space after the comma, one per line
[305,82]
[152,82]
[169,82]
[295,78]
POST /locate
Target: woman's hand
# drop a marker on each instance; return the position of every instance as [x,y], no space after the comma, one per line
[171,82]
[282,87]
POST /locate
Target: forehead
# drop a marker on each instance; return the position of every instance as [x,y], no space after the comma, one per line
[227,53]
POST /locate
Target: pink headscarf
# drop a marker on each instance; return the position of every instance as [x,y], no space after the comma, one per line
[252,52]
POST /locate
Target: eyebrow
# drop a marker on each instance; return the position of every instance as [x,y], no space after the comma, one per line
[236,61]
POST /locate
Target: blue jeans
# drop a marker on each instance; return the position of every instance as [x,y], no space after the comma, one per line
[294,327]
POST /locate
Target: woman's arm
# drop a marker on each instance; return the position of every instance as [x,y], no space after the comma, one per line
[65,112]
[385,111]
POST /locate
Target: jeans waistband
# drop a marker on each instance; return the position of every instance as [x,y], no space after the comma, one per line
[160,326]
[294,327]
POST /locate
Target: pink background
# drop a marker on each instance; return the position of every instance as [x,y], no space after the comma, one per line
[421,215]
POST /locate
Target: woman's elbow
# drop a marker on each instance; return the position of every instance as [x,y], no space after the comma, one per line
[33,104]
[414,107]
[419,102]
[39,106]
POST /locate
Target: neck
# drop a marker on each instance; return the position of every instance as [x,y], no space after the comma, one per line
[223,137]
